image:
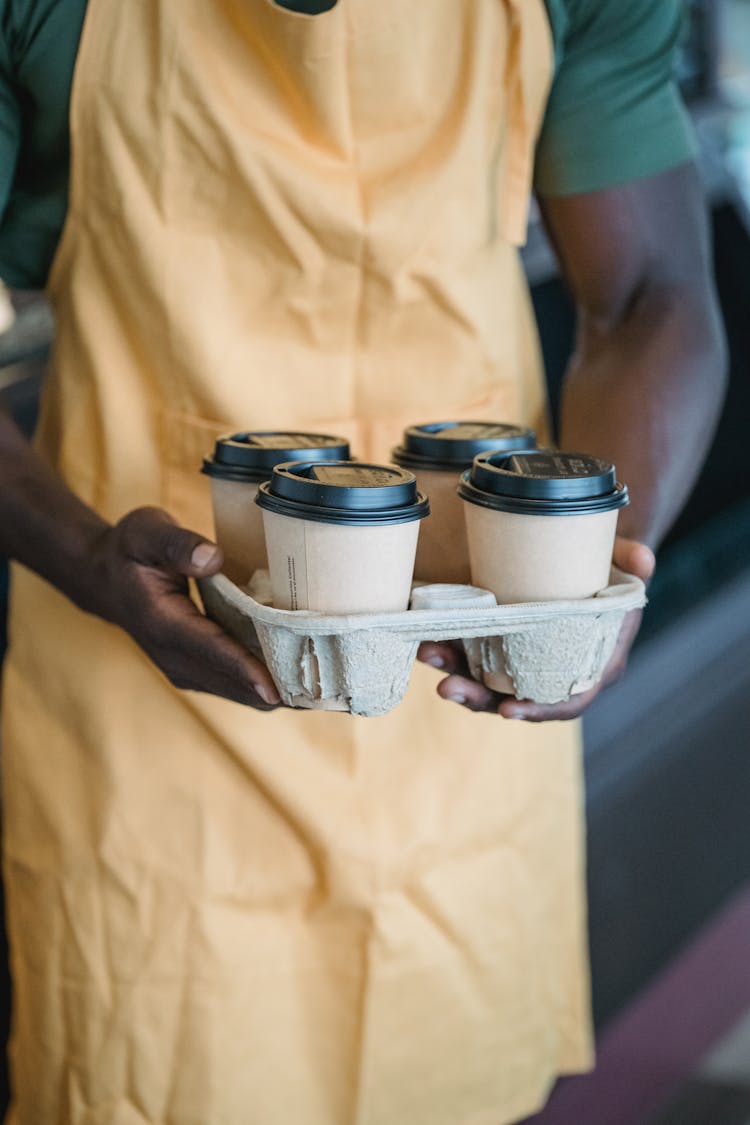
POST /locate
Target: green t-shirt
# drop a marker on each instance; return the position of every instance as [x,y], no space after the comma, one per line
[613,115]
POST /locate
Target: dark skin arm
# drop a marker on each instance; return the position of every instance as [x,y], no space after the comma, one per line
[133,574]
[646,382]
[644,389]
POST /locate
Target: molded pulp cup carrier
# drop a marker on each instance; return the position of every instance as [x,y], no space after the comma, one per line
[437,453]
[240,462]
[362,663]
[339,636]
[341,536]
[541,525]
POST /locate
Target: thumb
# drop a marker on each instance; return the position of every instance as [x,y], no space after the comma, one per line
[634,557]
[151,537]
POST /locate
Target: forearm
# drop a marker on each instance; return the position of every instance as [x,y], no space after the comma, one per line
[646,383]
[134,574]
[42,523]
[646,393]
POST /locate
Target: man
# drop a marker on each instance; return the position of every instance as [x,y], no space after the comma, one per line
[278,217]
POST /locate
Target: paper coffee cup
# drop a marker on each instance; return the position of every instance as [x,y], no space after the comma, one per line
[240,462]
[341,536]
[437,453]
[540,526]
[239,528]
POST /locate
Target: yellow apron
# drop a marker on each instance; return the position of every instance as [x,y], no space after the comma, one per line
[217,916]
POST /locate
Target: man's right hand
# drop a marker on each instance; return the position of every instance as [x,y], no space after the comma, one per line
[134,574]
[141,568]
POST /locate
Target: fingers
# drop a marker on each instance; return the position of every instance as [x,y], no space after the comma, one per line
[151,537]
[468,693]
[196,654]
[633,557]
[476,697]
[449,656]
[147,559]
[572,708]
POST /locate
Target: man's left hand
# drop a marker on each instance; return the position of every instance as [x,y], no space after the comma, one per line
[629,556]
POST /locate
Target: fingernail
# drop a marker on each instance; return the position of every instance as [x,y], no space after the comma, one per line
[513,713]
[268,695]
[457,698]
[435,661]
[202,555]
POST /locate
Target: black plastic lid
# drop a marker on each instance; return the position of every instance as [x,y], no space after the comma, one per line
[543,482]
[252,456]
[454,445]
[344,492]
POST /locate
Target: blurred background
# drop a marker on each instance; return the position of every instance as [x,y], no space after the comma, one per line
[667,748]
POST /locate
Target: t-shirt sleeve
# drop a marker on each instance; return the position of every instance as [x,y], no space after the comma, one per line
[614,112]
[38,47]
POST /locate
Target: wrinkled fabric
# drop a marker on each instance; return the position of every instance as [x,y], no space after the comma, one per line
[218,916]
